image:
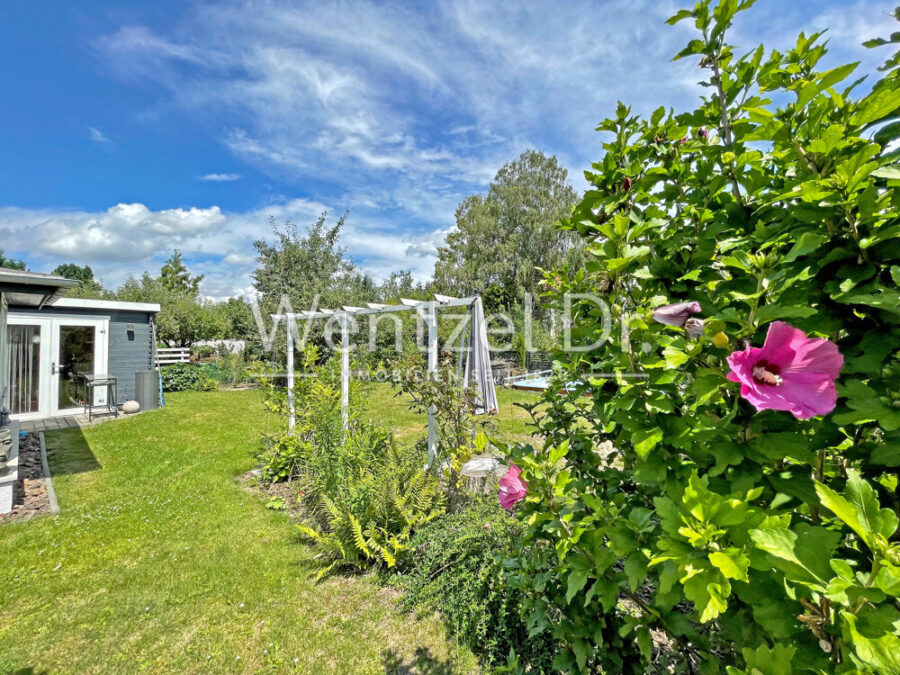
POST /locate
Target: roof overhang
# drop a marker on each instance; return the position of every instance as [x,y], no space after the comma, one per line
[85,303]
[31,289]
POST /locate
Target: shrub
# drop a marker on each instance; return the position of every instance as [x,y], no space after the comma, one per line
[204,351]
[362,494]
[378,505]
[455,567]
[454,415]
[230,369]
[722,517]
[187,377]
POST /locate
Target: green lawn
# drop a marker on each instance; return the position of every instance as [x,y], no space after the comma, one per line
[160,561]
[511,421]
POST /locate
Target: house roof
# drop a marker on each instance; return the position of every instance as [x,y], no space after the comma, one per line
[21,287]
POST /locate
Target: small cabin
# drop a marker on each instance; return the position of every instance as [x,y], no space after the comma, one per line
[49,345]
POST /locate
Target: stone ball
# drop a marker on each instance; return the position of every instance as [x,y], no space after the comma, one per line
[131,407]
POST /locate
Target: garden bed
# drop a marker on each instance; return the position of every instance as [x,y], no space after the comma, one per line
[30,495]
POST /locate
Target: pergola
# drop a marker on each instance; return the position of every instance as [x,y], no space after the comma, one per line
[427,309]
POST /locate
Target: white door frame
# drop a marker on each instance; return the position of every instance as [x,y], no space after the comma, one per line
[48,396]
[101,335]
[13,319]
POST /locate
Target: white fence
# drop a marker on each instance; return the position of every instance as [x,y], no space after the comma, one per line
[166,356]
[233,346]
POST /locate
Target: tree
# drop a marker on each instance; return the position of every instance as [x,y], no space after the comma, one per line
[174,276]
[87,287]
[11,263]
[183,318]
[236,319]
[400,285]
[504,239]
[82,274]
[309,268]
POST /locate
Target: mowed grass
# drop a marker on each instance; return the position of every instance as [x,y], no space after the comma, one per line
[512,422]
[161,561]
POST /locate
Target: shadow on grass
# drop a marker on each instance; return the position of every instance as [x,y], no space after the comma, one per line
[68,452]
[422,663]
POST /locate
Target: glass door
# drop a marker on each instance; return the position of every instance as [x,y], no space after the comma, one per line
[79,349]
[28,381]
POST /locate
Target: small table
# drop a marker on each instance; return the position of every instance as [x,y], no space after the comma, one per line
[91,383]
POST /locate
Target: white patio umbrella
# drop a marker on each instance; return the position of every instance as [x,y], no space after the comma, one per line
[478,362]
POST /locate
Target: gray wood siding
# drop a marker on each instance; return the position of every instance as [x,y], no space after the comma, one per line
[129,351]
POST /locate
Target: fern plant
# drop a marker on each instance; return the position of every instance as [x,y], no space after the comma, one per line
[376,530]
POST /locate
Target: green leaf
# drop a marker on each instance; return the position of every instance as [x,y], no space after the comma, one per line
[708,595]
[558,452]
[680,15]
[876,106]
[806,550]
[693,47]
[881,651]
[674,357]
[866,406]
[860,509]
[768,313]
[731,567]
[891,172]
[645,440]
[636,570]
[806,244]
[768,660]
[577,580]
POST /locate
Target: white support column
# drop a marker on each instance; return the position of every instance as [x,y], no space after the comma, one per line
[345,370]
[290,376]
[431,322]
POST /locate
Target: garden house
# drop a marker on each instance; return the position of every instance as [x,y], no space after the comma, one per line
[50,345]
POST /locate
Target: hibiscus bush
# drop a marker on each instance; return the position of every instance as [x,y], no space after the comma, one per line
[718,489]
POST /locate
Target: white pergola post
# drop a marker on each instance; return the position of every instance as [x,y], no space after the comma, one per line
[290,376]
[431,322]
[345,370]
[427,309]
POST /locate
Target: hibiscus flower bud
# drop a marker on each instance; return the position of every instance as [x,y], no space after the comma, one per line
[693,327]
[702,132]
[626,184]
[720,340]
[683,140]
[677,314]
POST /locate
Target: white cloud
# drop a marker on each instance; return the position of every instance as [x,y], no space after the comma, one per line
[127,239]
[97,136]
[220,177]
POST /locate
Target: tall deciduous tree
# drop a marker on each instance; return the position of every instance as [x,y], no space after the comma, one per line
[80,273]
[309,267]
[504,238]
[88,286]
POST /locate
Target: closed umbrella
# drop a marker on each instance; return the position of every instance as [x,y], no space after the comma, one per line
[478,362]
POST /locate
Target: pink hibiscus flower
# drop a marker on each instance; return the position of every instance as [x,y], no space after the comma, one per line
[789,372]
[512,488]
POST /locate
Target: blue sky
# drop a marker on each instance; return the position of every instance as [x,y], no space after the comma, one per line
[131,128]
